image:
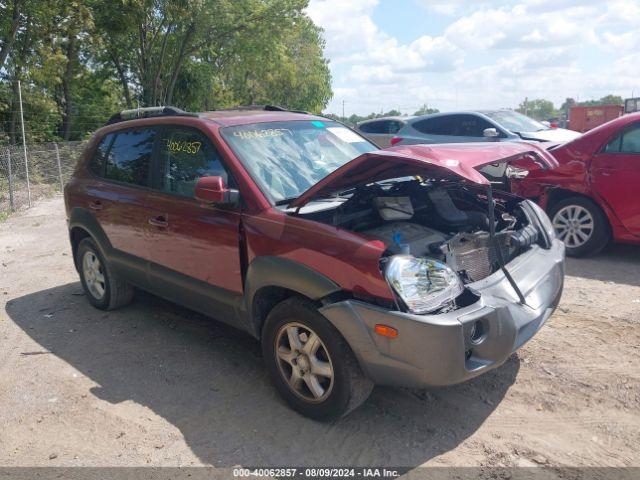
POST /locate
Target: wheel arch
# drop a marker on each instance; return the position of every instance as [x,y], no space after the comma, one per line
[270,280]
[82,224]
[555,195]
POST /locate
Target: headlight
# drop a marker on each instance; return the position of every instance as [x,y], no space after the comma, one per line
[543,218]
[423,284]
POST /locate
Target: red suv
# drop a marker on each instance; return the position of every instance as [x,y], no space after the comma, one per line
[353,266]
[592,197]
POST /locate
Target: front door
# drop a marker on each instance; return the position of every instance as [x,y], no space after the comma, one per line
[194,246]
[615,175]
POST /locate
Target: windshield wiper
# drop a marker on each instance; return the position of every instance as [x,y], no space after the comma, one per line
[285,201]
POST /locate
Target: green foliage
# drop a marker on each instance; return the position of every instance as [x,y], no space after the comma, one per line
[81,60]
[354,119]
[425,110]
[540,109]
[606,100]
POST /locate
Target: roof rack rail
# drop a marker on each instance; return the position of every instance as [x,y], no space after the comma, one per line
[148,112]
[266,108]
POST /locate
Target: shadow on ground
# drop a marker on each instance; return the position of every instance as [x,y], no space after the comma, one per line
[208,381]
[616,263]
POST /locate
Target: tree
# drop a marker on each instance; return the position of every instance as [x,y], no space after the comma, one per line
[81,60]
[540,109]
[253,48]
[606,100]
[425,110]
[10,21]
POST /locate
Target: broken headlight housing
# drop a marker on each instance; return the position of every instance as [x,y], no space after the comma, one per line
[423,284]
[543,219]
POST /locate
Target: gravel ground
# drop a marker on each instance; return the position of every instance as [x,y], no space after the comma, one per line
[155,384]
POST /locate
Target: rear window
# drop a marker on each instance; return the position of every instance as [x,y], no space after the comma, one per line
[381,127]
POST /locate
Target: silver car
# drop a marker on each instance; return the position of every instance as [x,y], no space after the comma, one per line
[381,130]
[487,125]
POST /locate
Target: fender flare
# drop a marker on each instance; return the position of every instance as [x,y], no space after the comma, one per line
[271,271]
[84,219]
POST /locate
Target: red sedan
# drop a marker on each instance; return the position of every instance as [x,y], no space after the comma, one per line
[593,196]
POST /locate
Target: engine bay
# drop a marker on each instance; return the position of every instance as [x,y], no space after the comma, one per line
[443,220]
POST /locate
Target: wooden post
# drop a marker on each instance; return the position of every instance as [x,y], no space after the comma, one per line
[59,167]
[11,203]
[24,143]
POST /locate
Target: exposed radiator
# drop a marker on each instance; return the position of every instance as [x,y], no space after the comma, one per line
[473,254]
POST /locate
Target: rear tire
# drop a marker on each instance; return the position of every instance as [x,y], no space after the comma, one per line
[323,384]
[581,225]
[104,289]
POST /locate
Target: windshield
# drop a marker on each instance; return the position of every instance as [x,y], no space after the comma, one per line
[516,122]
[286,158]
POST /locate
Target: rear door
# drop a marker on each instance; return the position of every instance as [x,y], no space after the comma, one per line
[118,195]
[615,176]
[194,246]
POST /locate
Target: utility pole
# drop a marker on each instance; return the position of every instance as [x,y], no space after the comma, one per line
[24,142]
[343,102]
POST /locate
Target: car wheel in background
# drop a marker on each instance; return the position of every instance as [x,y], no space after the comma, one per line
[581,225]
[103,288]
[310,363]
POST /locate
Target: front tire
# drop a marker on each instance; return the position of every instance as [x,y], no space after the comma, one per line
[581,225]
[102,286]
[310,363]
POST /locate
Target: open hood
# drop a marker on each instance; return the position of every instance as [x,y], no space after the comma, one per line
[454,160]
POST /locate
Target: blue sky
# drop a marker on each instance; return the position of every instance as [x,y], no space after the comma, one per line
[477,54]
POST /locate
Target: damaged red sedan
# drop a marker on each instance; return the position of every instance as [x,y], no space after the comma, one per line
[352,266]
[592,197]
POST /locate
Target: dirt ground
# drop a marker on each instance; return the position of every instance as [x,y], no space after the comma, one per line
[155,384]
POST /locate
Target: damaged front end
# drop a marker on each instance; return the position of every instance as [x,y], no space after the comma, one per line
[439,220]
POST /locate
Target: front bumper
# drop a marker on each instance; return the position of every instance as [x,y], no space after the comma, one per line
[437,349]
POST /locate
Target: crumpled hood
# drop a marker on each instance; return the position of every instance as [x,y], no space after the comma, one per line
[453,160]
[551,135]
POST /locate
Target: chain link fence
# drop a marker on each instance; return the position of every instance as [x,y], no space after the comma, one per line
[48,167]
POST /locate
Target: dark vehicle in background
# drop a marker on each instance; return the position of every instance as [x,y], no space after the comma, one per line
[352,266]
[485,125]
[381,130]
[594,195]
[632,105]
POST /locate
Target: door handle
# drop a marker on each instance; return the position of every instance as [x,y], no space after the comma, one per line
[96,205]
[159,221]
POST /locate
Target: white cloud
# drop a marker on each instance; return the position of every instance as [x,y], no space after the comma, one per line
[490,55]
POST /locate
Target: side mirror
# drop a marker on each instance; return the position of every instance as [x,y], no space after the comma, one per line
[214,190]
[490,133]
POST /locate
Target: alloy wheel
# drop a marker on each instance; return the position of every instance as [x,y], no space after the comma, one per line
[93,275]
[304,362]
[573,225]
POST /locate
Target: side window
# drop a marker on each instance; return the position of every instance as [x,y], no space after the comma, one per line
[470,126]
[129,157]
[631,140]
[186,155]
[626,142]
[436,126]
[375,127]
[614,145]
[394,126]
[97,163]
